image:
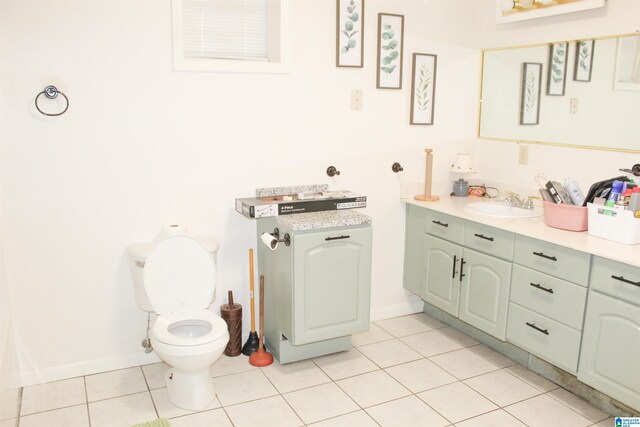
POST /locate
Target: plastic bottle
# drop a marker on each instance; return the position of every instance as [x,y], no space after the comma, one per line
[614,195]
[574,191]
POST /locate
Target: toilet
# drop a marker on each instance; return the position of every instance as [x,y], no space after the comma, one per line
[175,277]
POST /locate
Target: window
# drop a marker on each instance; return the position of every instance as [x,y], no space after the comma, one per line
[229,35]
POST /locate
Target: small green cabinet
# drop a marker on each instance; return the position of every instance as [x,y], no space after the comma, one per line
[441,285]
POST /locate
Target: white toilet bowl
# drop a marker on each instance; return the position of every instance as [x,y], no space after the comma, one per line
[179,281]
[189,342]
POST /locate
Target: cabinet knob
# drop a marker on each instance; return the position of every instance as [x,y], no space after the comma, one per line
[332,171]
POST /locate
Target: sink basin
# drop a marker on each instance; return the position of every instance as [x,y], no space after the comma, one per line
[499,210]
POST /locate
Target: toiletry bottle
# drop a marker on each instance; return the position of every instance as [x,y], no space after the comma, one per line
[575,193]
[614,195]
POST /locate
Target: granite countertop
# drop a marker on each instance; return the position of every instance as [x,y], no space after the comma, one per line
[536,228]
[324,219]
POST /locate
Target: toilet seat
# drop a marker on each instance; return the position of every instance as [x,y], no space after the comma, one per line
[189,328]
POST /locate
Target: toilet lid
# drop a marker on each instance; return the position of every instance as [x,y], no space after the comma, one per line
[179,274]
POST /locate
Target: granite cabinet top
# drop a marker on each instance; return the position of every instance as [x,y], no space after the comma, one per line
[322,220]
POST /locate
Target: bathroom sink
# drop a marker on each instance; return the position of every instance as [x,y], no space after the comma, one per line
[500,210]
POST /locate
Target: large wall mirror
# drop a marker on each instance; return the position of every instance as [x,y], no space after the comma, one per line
[583,93]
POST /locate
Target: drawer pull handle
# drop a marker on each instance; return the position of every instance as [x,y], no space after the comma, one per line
[542,288]
[440,223]
[453,272]
[540,254]
[337,238]
[462,263]
[622,279]
[482,236]
[533,325]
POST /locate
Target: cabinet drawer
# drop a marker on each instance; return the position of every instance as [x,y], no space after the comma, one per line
[552,259]
[550,296]
[444,226]
[552,341]
[616,279]
[489,240]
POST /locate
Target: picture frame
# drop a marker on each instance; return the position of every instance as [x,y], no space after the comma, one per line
[627,73]
[423,88]
[390,51]
[557,69]
[583,63]
[530,93]
[350,33]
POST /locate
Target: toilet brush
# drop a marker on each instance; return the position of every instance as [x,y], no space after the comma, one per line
[261,357]
[252,343]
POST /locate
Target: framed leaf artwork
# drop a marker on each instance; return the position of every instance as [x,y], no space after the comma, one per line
[584,60]
[530,97]
[349,33]
[557,72]
[423,88]
[390,46]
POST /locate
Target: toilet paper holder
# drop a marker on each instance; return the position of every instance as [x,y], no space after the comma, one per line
[272,239]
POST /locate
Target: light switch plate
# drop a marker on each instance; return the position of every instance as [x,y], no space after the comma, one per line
[523,154]
[356,100]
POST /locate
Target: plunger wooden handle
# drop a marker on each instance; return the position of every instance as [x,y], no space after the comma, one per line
[251,288]
[261,341]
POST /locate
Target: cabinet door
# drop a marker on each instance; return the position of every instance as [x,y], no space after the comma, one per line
[484,292]
[609,358]
[440,274]
[332,282]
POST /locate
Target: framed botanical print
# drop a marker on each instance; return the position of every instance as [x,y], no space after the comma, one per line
[584,60]
[530,95]
[557,69]
[423,88]
[390,46]
[350,33]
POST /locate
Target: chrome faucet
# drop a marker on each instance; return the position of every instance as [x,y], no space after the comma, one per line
[513,200]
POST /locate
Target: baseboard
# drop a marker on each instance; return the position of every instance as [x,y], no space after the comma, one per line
[89,367]
[413,305]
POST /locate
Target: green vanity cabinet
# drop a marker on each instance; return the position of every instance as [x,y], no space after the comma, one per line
[317,290]
[440,276]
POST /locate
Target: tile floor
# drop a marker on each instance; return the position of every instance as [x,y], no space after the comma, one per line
[406,371]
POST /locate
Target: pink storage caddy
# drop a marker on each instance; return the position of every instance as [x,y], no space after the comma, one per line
[565,217]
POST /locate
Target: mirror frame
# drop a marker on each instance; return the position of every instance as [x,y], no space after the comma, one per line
[526,141]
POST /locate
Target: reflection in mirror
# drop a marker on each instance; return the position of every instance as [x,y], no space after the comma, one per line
[589,97]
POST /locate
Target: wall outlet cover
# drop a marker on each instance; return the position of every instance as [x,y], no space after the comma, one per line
[523,154]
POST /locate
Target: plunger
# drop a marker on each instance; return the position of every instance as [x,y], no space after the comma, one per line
[261,357]
[252,343]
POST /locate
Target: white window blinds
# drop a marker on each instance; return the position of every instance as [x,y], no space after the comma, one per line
[228,29]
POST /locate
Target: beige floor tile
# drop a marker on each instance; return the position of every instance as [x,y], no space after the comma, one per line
[544,411]
[122,411]
[502,388]
[463,363]
[373,335]
[420,375]
[457,402]
[372,388]
[406,412]
[13,422]
[111,384]
[460,337]
[166,409]
[579,405]
[389,353]
[243,387]
[609,422]
[320,402]
[76,416]
[215,418]
[53,395]
[294,376]
[231,365]
[430,321]
[431,343]
[354,419]
[492,356]
[345,364]
[403,326]
[270,412]
[154,374]
[497,418]
[532,378]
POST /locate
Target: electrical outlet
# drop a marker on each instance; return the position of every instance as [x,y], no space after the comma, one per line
[523,154]
[356,100]
[573,106]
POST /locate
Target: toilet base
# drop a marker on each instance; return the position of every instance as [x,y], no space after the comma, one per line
[189,390]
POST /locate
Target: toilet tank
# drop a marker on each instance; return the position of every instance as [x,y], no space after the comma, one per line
[138,255]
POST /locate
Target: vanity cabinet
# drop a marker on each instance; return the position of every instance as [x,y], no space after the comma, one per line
[440,264]
[609,357]
[317,289]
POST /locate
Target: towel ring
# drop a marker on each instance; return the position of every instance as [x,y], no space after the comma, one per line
[52,92]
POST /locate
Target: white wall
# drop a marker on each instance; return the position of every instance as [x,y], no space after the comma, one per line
[142,146]
[498,161]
